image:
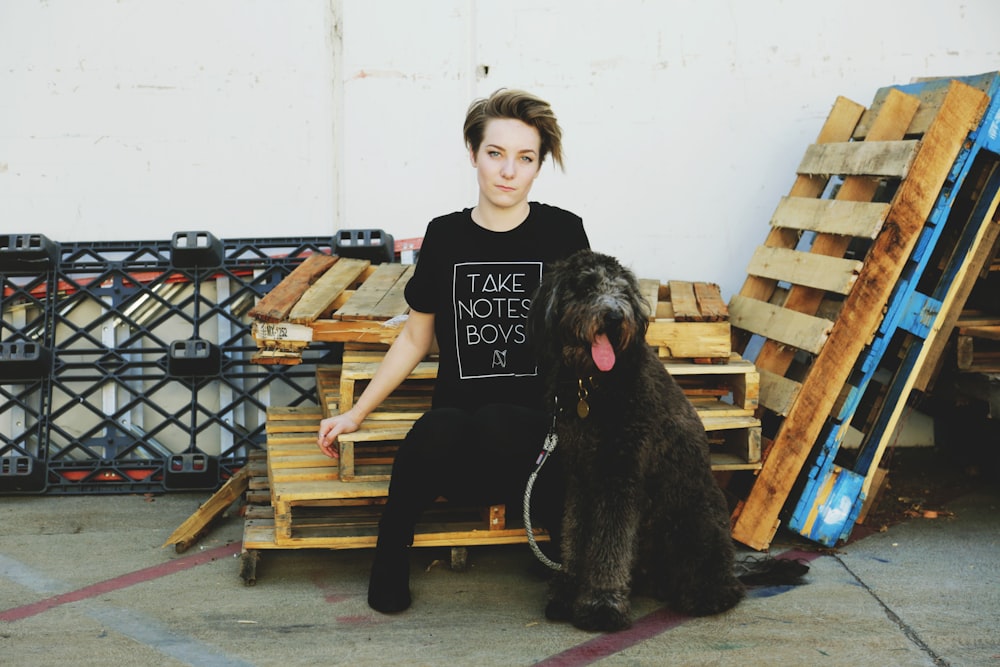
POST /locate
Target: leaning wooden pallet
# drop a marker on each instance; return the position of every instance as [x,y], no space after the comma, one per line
[937,278]
[805,359]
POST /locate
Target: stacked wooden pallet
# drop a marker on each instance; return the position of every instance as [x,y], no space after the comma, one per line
[969,378]
[977,340]
[865,261]
[342,300]
[318,502]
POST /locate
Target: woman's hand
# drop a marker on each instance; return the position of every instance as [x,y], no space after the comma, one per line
[330,428]
[412,345]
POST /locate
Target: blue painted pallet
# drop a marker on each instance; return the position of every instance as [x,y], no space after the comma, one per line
[833,495]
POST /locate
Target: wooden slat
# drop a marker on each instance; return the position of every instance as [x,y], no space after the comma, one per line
[326,289]
[788,327]
[355,331]
[650,290]
[690,340]
[832,274]
[282,412]
[710,303]
[383,430]
[987,331]
[192,528]
[277,303]
[380,296]
[778,393]
[684,301]
[831,216]
[394,303]
[860,158]
[757,522]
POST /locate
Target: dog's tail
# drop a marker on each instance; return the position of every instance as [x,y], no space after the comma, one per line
[770,571]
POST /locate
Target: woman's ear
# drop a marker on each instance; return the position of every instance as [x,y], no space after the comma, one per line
[472,157]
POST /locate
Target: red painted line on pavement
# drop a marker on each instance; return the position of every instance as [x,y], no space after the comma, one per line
[645,628]
[124,581]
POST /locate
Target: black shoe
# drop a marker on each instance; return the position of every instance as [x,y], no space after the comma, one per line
[389,584]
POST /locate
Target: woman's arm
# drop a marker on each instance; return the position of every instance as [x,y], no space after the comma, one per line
[409,349]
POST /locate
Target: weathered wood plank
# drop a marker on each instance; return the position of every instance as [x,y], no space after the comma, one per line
[366,302]
[325,290]
[355,331]
[684,301]
[690,340]
[280,333]
[276,304]
[832,274]
[860,158]
[650,289]
[195,525]
[799,330]
[757,522]
[394,303]
[710,303]
[831,216]
[778,393]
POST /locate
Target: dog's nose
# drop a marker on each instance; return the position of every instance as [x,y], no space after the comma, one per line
[613,317]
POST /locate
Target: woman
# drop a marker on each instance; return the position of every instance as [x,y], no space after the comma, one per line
[471,291]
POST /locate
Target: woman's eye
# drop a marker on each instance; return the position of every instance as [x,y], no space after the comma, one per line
[527,158]
[493,153]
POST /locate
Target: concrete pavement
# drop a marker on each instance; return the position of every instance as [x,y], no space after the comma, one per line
[83,581]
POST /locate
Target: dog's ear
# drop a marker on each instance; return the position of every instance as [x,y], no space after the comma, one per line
[544,314]
[638,303]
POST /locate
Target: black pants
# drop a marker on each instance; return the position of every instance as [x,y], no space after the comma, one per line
[478,458]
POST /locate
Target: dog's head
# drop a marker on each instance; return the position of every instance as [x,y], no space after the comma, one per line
[588,314]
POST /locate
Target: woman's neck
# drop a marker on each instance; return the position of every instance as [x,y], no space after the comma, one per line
[500,219]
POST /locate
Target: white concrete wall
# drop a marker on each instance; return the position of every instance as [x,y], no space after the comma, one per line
[135,119]
[684,120]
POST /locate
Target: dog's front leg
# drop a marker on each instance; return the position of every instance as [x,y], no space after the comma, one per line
[563,586]
[602,601]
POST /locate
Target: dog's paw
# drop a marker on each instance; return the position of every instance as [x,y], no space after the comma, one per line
[604,612]
[707,601]
[558,610]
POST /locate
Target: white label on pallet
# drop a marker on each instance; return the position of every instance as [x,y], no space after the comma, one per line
[281,331]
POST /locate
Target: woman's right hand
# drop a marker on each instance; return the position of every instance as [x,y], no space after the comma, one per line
[330,428]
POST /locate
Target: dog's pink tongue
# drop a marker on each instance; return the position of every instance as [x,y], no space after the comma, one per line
[603,353]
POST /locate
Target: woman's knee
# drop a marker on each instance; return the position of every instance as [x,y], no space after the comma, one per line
[436,435]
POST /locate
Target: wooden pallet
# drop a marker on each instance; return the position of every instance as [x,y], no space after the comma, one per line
[362,304]
[978,346]
[312,507]
[725,396]
[841,250]
[298,498]
[954,245]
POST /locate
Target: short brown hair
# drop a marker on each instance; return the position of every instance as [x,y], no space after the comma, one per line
[519,105]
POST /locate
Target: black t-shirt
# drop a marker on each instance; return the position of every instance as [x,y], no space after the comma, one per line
[478,284]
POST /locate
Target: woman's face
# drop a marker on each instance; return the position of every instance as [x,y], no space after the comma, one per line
[507,162]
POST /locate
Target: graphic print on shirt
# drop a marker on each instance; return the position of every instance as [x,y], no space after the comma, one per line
[491,317]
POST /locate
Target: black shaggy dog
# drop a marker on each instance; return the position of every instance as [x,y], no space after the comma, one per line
[642,507]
